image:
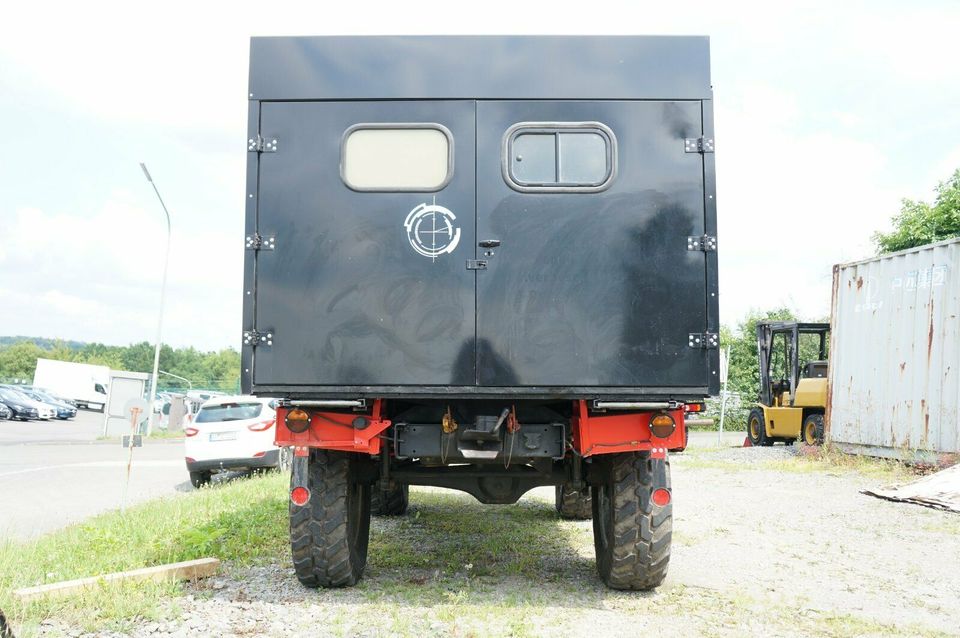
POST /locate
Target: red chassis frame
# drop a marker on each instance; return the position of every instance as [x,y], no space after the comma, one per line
[593,434]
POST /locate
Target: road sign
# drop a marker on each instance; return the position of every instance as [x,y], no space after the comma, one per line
[136,411]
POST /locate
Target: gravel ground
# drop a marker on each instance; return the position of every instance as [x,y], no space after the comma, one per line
[755,553]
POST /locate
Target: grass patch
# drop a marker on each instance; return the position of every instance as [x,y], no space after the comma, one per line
[242,521]
[828,458]
[825,459]
[521,540]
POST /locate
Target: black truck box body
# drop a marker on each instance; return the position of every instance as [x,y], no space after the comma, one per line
[586,292]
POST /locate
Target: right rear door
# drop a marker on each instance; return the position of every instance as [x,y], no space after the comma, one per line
[590,287]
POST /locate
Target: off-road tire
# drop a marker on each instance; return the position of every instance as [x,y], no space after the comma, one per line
[632,534]
[199,479]
[574,504]
[330,533]
[812,432]
[390,502]
[757,428]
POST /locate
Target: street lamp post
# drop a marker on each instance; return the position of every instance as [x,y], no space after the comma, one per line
[175,376]
[163,296]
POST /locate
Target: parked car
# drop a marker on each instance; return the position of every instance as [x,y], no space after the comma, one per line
[58,397]
[64,409]
[5,412]
[45,411]
[232,433]
[20,406]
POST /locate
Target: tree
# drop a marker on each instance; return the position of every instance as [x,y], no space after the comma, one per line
[919,223]
[205,370]
[18,362]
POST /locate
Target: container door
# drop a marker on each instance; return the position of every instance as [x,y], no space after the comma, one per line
[592,283]
[372,207]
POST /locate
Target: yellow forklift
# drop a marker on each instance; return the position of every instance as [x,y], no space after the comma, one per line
[793,383]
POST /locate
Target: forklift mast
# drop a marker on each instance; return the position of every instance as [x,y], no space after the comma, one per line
[766,333]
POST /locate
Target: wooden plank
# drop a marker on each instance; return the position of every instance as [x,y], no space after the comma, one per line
[187,570]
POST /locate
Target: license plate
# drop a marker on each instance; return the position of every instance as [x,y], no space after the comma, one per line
[223,436]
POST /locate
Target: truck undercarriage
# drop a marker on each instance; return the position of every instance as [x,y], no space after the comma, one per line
[608,463]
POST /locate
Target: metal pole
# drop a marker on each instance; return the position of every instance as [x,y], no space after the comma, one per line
[163,297]
[134,415]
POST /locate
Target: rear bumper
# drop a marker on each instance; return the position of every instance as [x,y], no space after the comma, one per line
[270,459]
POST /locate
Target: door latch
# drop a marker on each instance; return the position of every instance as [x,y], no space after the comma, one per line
[476,264]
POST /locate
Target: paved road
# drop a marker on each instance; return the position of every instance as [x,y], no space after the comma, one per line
[56,473]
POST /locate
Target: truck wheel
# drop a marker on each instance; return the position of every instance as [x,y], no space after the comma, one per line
[284,459]
[199,479]
[329,534]
[390,502]
[631,533]
[813,429]
[757,429]
[574,504]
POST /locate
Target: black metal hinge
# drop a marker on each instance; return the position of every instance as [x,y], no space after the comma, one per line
[476,264]
[698,145]
[706,243]
[257,241]
[260,144]
[704,340]
[258,338]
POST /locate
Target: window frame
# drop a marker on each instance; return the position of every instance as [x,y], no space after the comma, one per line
[558,128]
[396,126]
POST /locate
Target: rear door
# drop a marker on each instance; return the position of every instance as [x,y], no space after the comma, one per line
[372,207]
[592,283]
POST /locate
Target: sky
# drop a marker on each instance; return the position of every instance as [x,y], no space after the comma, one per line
[827,114]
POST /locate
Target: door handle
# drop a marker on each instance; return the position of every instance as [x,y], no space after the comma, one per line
[489,243]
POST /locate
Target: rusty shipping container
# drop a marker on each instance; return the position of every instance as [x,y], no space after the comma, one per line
[895,354]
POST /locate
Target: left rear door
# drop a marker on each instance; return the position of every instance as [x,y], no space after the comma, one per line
[366,285]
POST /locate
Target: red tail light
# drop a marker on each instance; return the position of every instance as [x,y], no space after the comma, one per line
[191,431]
[259,455]
[693,407]
[262,425]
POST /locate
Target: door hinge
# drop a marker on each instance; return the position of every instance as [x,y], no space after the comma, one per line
[698,145]
[706,243]
[704,340]
[476,264]
[260,144]
[257,241]
[258,338]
